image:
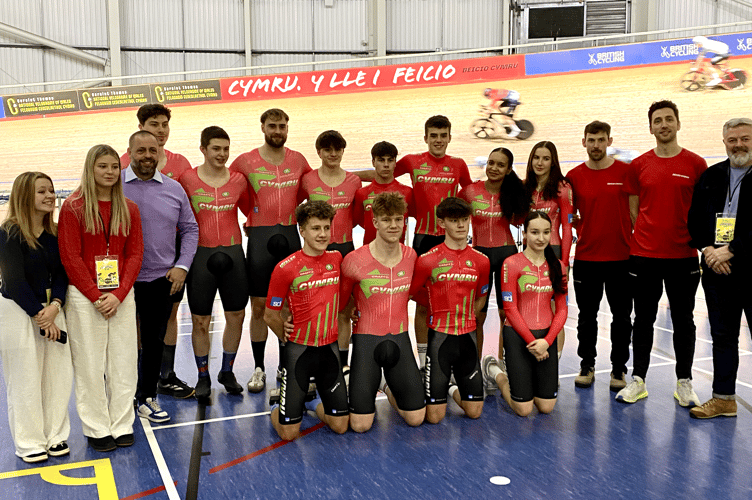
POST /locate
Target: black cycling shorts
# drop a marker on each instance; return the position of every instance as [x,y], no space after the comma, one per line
[267,247]
[496,255]
[424,242]
[528,377]
[299,364]
[393,353]
[217,269]
[452,354]
[342,248]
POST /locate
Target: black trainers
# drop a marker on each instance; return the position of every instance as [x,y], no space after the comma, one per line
[228,380]
[59,449]
[173,386]
[203,390]
[35,457]
[125,440]
[102,444]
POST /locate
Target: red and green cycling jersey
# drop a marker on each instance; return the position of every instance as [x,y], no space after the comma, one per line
[434,180]
[311,287]
[560,211]
[364,200]
[490,227]
[273,189]
[381,293]
[340,197]
[454,279]
[527,291]
[216,208]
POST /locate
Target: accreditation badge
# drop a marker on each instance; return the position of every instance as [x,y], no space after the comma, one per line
[108,276]
[724,228]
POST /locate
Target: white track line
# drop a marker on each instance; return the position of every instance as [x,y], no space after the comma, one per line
[156,451]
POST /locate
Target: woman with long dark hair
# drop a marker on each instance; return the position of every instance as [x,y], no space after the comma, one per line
[531,279]
[36,359]
[101,247]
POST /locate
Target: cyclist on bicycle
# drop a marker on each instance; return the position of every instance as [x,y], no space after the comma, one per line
[504,101]
[720,53]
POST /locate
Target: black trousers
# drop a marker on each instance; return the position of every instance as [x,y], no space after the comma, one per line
[590,278]
[681,278]
[726,297]
[153,306]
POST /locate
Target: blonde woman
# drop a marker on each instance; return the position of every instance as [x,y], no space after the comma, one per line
[36,368]
[101,247]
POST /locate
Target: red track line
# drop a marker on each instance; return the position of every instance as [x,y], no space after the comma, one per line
[147,492]
[263,450]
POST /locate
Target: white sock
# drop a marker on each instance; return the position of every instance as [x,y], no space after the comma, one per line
[452,390]
[494,371]
[422,349]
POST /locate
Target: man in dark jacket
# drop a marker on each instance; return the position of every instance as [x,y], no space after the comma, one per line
[720,224]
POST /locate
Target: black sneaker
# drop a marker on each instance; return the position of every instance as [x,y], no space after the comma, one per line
[102,444]
[125,440]
[228,380]
[35,457]
[173,386]
[59,449]
[203,390]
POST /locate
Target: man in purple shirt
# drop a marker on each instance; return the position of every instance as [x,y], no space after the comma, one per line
[164,206]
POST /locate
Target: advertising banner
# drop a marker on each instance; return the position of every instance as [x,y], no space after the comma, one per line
[191,91]
[114,97]
[372,78]
[44,103]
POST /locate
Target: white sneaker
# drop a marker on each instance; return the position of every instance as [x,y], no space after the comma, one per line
[257,383]
[489,381]
[712,83]
[151,410]
[633,392]
[685,394]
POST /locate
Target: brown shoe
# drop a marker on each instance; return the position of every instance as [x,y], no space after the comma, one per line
[715,408]
[617,382]
[585,379]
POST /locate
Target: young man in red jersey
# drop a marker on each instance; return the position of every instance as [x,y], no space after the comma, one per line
[155,118]
[435,176]
[456,278]
[378,275]
[273,173]
[384,161]
[602,256]
[308,281]
[660,184]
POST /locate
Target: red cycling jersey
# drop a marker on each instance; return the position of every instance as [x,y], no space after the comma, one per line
[560,212]
[454,279]
[434,179]
[605,228]
[340,197]
[216,208]
[273,189]
[176,165]
[311,287]
[490,227]
[381,293]
[665,187]
[364,199]
[526,291]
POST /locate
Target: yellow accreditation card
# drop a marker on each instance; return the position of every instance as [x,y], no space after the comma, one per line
[107,271]
[724,228]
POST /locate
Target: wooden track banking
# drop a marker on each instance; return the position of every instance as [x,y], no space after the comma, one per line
[559,106]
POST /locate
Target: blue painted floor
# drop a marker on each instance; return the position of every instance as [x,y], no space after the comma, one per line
[590,447]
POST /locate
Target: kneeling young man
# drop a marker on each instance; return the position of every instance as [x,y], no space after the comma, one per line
[309,281]
[456,277]
[378,275]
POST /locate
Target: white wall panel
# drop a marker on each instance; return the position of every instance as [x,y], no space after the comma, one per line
[141,63]
[59,67]
[282,25]
[414,25]
[18,66]
[22,14]
[270,59]
[75,22]
[352,62]
[208,61]
[686,13]
[215,24]
[472,24]
[152,24]
[343,27]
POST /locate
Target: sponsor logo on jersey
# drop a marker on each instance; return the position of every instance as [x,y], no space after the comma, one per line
[340,193]
[506,296]
[400,274]
[484,289]
[287,260]
[318,194]
[445,169]
[199,197]
[469,263]
[329,267]
[479,204]
[276,302]
[261,175]
[305,285]
[255,209]
[444,266]
[373,283]
[680,175]
[226,194]
[286,171]
[216,208]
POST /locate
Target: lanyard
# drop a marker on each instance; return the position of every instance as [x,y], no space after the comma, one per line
[106,233]
[730,192]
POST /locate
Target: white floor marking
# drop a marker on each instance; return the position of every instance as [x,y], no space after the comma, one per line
[500,480]
[169,483]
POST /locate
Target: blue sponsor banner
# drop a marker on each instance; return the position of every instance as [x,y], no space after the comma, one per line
[2,109]
[634,54]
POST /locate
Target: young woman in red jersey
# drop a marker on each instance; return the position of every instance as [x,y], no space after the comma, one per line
[530,280]
[498,203]
[550,192]
[101,247]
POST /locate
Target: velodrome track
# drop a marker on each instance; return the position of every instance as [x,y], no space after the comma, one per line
[559,106]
